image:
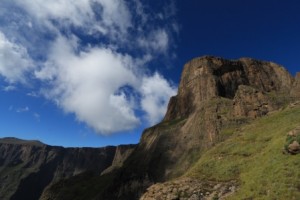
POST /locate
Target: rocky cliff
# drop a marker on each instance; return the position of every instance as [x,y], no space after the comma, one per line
[295,92]
[27,167]
[215,96]
[208,77]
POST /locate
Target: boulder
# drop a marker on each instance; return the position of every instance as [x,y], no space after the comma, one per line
[294,147]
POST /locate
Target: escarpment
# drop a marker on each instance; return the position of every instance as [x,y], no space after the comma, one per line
[215,96]
[209,77]
[28,167]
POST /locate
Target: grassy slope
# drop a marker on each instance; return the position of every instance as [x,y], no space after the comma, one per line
[87,186]
[254,157]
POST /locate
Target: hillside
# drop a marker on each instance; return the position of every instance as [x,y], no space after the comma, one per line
[216,99]
[28,167]
[250,164]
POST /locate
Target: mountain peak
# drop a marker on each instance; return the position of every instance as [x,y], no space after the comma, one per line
[208,77]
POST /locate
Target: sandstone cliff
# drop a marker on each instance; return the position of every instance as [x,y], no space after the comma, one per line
[215,96]
[27,167]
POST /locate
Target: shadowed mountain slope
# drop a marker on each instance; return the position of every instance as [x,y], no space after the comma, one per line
[27,167]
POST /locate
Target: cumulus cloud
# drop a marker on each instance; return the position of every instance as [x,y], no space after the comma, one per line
[14,61]
[103,16]
[156,92]
[87,84]
[91,58]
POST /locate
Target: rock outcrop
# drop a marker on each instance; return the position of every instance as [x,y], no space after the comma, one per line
[295,92]
[292,141]
[214,95]
[190,189]
[28,167]
[209,77]
[121,154]
[250,102]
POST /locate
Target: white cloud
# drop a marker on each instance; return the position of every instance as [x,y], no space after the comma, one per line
[33,94]
[9,88]
[115,13]
[14,61]
[103,16]
[104,83]
[87,84]
[156,92]
[23,109]
[156,41]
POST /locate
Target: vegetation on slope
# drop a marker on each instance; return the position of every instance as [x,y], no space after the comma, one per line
[253,156]
[83,186]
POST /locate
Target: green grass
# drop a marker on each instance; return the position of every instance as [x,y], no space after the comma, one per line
[254,158]
[84,186]
[290,139]
[172,122]
[15,174]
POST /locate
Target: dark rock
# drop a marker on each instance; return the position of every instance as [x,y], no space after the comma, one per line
[28,167]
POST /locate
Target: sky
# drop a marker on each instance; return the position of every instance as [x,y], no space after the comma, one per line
[98,72]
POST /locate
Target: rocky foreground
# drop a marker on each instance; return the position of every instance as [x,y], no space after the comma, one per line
[190,189]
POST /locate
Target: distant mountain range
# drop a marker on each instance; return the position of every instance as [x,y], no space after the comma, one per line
[28,167]
[229,133]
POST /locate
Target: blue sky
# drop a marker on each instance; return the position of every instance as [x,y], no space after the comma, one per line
[97,72]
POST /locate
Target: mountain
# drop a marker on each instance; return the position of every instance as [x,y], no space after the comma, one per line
[250,164]
[218,102]
[28,167]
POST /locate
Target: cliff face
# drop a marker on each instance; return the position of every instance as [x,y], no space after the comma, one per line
[207,77]
[27,167]
[215,96]
[295,92]
[121,154]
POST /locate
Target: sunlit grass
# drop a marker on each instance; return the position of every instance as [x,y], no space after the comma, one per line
[254,157]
